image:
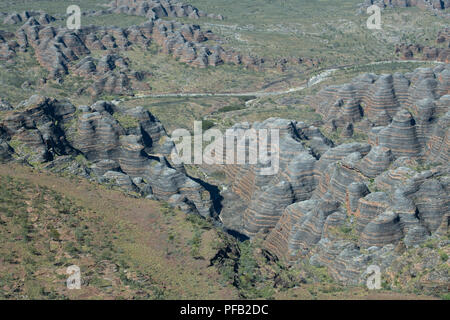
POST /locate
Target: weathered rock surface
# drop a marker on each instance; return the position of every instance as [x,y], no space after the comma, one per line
[267,196]
[120,147]
[300,227]
[401,112]
[62,51]
[156,9]
[384,229]
[347,206]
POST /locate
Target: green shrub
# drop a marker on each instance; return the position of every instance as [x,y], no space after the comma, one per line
[207,124]
[231,108]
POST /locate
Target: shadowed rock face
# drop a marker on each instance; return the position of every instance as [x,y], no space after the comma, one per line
[384,229]
[34,129]
[6,151]
[432,203]
[124,148]
[355,191]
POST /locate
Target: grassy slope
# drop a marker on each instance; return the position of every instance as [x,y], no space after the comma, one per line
[125,247]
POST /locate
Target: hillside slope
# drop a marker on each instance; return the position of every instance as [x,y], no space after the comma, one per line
[126,248]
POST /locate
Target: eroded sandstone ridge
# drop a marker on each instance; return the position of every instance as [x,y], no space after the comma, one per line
[62,51]
[155,9]
[125,148]
[355,204]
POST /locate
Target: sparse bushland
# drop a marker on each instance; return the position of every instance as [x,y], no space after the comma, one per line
[47,225]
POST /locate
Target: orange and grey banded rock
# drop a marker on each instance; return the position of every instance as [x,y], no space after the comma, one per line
[264,211]
[296,169]
[433,202]
[333,221]
[431,53]
[442,105]
[339,152]
[119,179]
[424,113]
[17,18]
[373,101]
[98,136]
[391,179]
[400,136]
[376,162]
[103,166]
[355,191]
[299,228]
[438,146]
[401,87]
[39,137]
[384,229]
[342,175]
[405,207]
[334,180]
[370,207]
[342,258]
[443,77]
[381,102]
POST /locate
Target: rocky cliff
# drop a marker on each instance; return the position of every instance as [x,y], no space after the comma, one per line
[128,149]
[346,206]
